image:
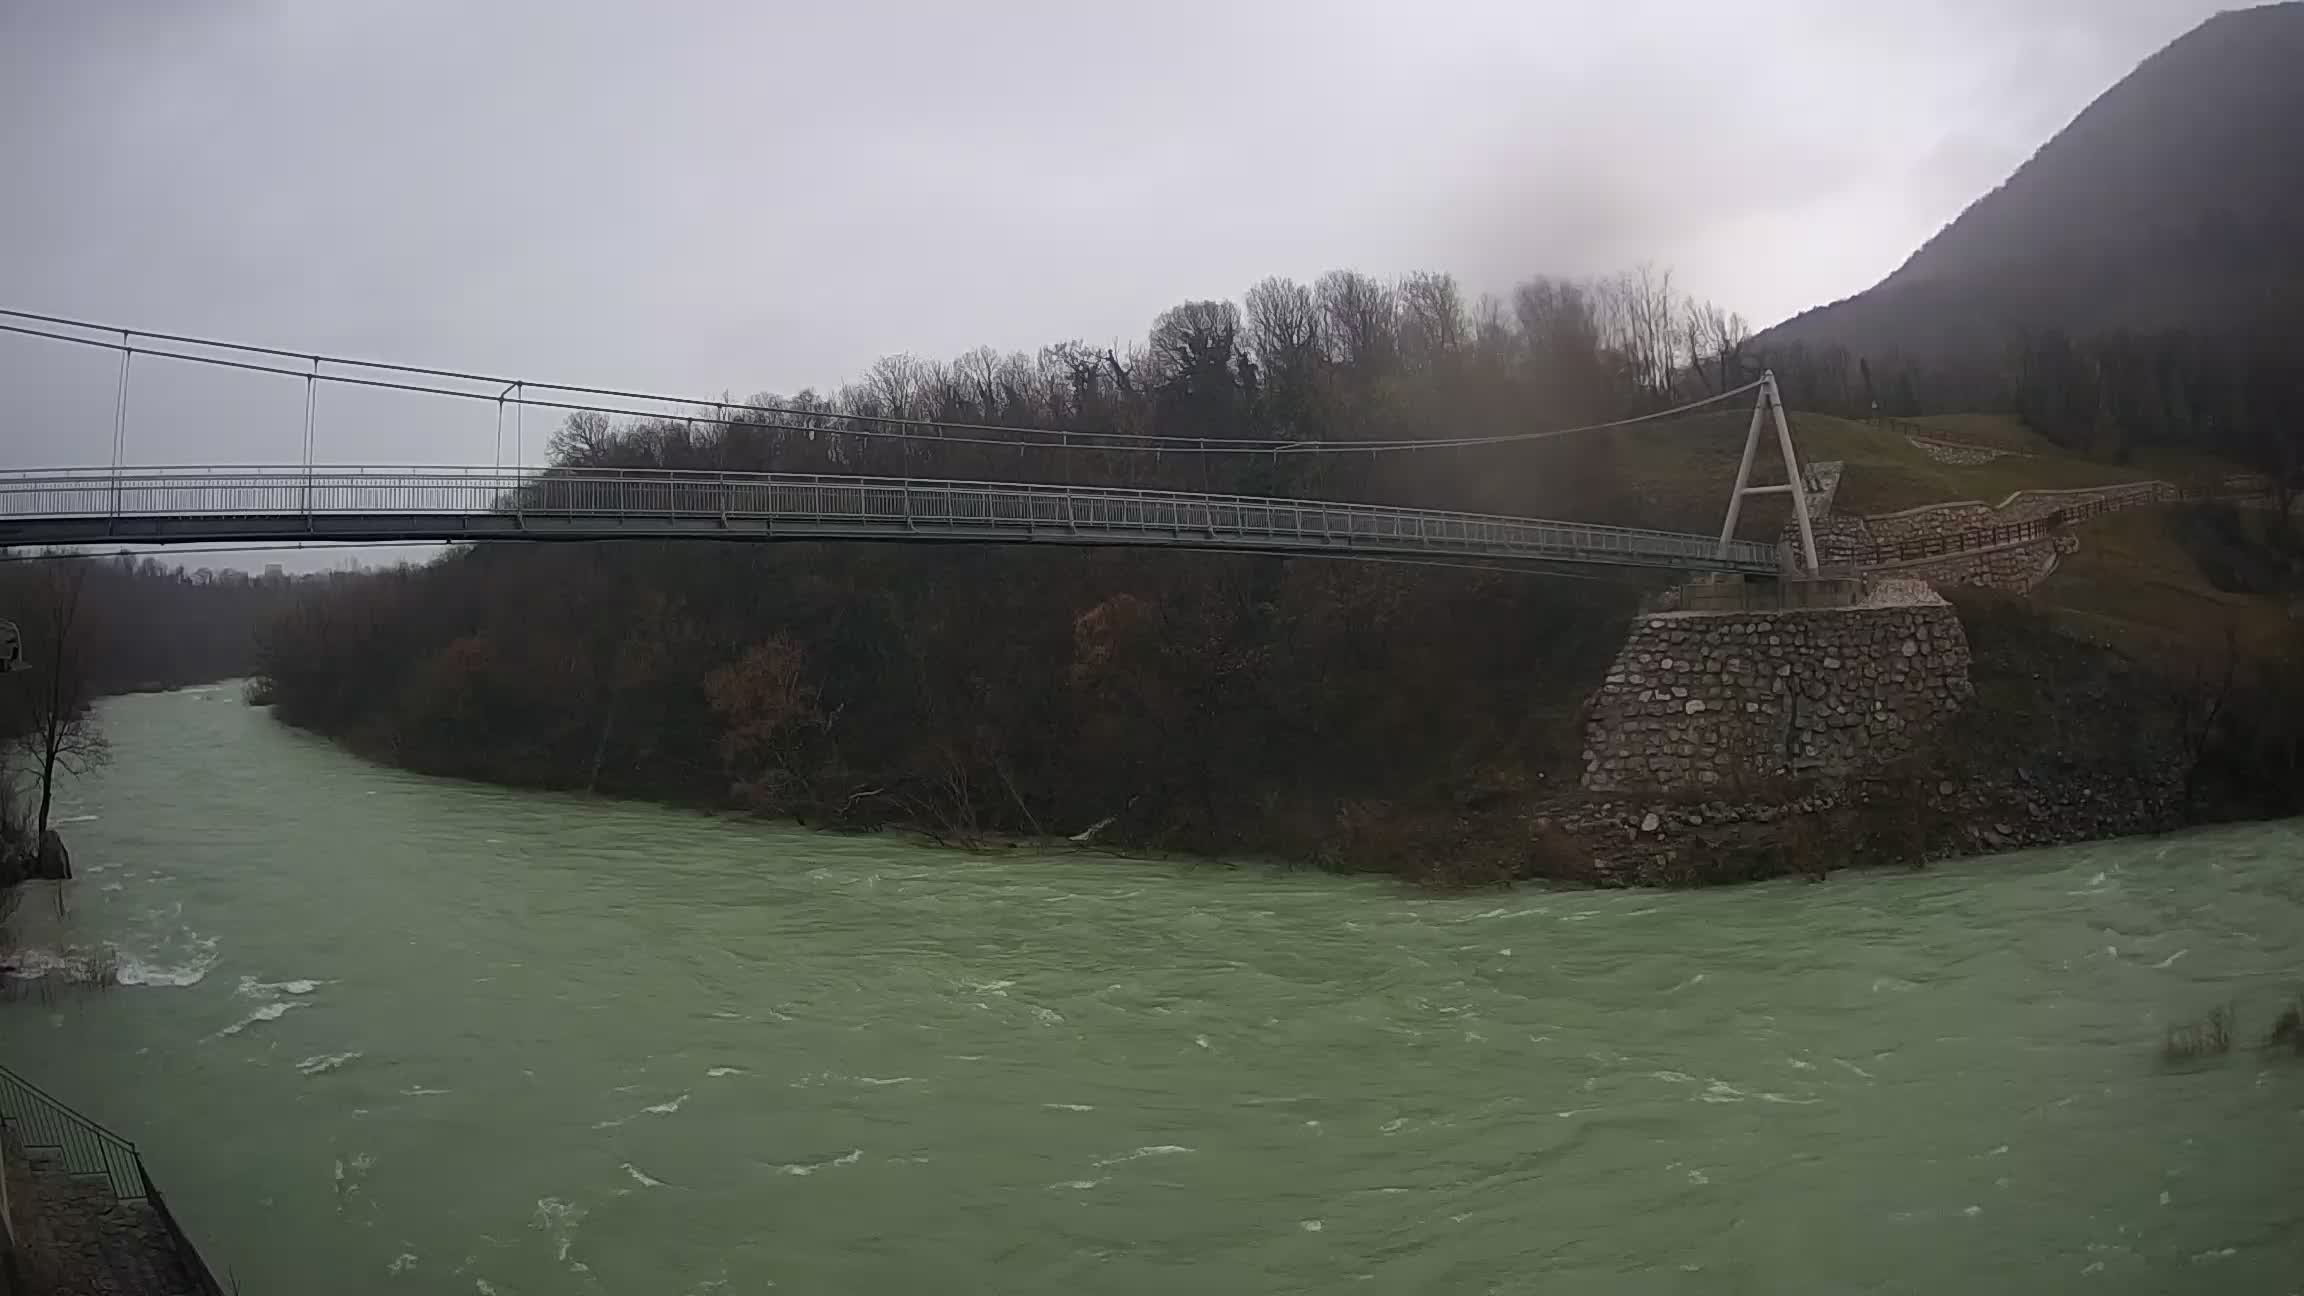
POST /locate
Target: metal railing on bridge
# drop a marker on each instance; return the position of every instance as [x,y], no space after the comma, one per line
[176,504]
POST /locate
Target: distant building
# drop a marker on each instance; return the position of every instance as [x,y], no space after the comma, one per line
[272,572]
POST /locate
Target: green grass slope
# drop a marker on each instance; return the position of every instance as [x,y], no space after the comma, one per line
[2133,585]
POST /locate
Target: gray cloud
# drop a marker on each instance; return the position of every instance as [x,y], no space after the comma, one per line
[720,196]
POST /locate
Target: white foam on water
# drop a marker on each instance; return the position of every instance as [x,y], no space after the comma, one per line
[717,1072]
[119,966]
[1699,1177]
[2170,961]
[891,1080]
[805,1168]
[642,1177]
[264,1013]
[1077,1185]
[1310,1226]
[1068,1106]
[665,1108]
[419,1091]
[1853,1067]
[323,1063]
[1202,1041]
[255,989]
[558,1220]
[1159,1149]
[480,1285]
[2213,1257]
[401,1263]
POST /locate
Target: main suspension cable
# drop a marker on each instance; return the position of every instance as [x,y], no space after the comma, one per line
[793,419]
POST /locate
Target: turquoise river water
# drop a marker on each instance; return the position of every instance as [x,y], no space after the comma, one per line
[383,1033]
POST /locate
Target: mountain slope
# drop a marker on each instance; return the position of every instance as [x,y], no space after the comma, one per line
[2174,200]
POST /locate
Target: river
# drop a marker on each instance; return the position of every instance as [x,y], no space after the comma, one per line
[387,1033]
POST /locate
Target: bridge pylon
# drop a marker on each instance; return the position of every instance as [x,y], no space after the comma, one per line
[1771,406]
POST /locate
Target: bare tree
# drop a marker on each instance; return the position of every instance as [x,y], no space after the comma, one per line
[1362,321]
[1639,321]
[55,729]
[1196,339]
[976,382]
[586,440]
[1433,325]
[1284,329]
[1716,337]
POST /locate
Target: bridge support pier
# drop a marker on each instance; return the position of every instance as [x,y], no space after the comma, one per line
[1757,683]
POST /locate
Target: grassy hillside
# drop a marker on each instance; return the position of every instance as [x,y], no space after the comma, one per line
[1675,475]
[2134,585]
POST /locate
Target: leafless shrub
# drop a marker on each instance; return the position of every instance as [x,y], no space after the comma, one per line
[2288,1028]
[2209,1037]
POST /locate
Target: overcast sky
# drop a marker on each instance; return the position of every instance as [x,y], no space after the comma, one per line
[739,196]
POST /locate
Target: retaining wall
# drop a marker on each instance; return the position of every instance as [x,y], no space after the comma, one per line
[1701,701]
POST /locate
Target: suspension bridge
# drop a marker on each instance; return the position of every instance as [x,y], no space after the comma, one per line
[125,504]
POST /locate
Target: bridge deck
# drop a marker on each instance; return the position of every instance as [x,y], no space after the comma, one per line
[270,505]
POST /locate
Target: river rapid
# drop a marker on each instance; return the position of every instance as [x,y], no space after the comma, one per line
[385,1033]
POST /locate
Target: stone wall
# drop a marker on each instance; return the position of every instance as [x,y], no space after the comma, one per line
[1702,702]
[2012,568]
[1958,455]
[2024,506]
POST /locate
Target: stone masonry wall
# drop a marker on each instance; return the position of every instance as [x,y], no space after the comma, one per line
[2023,506]
[2012,568]
[1958,455]
[1701,701]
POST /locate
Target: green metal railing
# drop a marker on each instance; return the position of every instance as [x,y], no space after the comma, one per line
[50,1131]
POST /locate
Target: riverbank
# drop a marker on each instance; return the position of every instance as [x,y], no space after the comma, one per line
[2063,741]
